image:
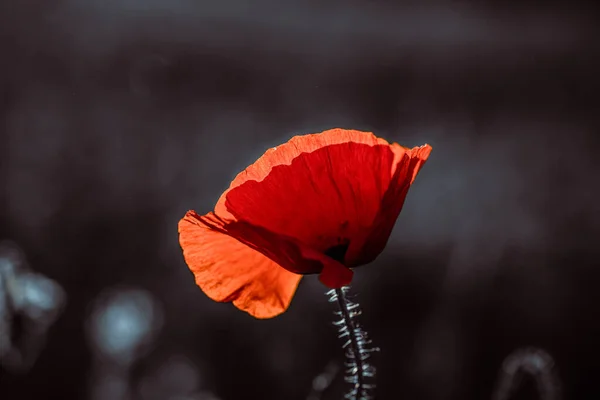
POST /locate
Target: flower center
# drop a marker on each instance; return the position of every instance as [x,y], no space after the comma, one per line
[338,252]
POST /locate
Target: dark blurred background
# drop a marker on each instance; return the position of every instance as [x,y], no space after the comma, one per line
[119,116]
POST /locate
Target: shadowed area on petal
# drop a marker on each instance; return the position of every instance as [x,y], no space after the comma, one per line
[230,271]
[287,252]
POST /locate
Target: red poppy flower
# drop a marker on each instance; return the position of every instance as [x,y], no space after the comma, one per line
[318,204]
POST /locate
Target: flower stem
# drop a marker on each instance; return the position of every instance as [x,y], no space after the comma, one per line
[357,346]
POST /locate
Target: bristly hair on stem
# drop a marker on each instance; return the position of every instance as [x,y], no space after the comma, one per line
[357,345]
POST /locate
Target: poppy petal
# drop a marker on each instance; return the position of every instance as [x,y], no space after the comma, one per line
[230,271]
[366,250]
[323,198]
[325,189]
[287,152]
[287,252]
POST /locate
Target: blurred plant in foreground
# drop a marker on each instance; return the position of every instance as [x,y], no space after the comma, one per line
[121,327]
[176,378]
[323,381]
[531,361]
[29,305]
